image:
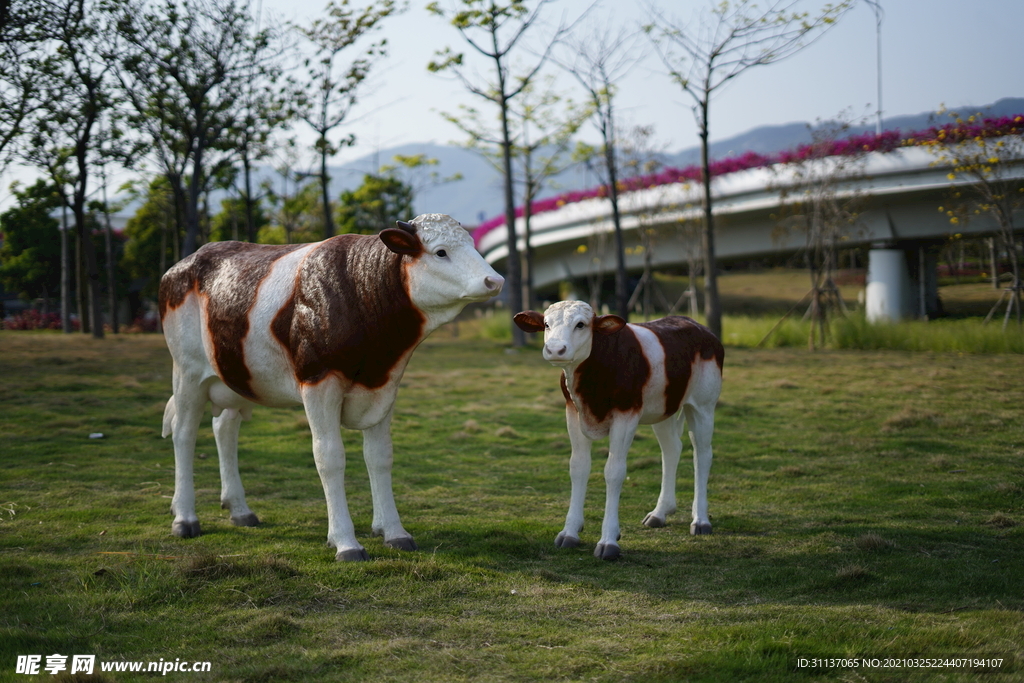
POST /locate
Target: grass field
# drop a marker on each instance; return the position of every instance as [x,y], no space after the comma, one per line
[865,504]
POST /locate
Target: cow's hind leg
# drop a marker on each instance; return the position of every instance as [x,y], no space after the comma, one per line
[378,453]
[189,405]
[669,433]
[232,495]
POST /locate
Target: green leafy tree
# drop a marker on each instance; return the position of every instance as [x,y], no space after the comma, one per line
[233,220]
[335,84]
[22,32]
[703,56]
[30,256]
[150,232]
[376,204]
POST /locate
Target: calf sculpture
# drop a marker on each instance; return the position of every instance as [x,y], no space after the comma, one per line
[330,326]
[616,376]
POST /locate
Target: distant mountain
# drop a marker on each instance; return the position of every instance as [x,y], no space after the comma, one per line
[478,196]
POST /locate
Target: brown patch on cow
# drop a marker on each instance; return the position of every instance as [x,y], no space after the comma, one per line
[683,340]
[614,375]
[351,312]
[227,275]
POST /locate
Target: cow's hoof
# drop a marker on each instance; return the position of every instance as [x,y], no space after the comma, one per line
[653,521]
[563,540]
[700,529]
[607,551]
[246,520]
[401,543]
[353,555]
[185,529]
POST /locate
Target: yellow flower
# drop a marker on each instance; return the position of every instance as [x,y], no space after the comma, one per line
[951,176]
[582,249]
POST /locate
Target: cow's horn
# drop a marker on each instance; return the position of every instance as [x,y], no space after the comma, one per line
[408,227]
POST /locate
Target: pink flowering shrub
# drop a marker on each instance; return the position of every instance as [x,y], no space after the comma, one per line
[887,141]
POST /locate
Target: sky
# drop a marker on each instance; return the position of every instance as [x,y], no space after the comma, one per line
[934,53]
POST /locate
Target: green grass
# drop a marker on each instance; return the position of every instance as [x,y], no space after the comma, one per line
[864,503]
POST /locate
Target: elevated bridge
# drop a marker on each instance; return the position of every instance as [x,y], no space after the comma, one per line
[898,219]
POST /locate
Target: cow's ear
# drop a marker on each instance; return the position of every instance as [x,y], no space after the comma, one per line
[401,241]
[530,321]
[608,324]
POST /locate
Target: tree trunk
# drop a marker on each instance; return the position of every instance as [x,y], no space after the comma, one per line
[65,273]
[111,285]
[250,209]
[325,193]
[621,295]
[515,289]
[712,304]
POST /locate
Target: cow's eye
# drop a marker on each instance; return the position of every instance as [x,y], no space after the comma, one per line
[547,327]
[579,325]
[441,253]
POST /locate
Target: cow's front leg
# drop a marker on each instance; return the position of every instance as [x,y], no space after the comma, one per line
[620,437]
[323,409]
[232,495]
[378,453]
[579,473]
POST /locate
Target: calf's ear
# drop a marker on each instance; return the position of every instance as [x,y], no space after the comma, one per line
[529,321]
[608,324]
[401,241]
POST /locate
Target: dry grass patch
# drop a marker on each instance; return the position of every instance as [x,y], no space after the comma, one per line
[910,418]
[1000,521]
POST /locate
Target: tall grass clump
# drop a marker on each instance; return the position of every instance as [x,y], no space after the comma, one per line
[965,336]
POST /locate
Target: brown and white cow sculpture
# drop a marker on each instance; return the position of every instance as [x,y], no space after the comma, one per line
[330,326]
[616,376]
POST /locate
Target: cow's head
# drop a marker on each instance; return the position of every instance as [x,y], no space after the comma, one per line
[446,269]
[569,328]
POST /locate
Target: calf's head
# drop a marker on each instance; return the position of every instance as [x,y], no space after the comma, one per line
[569,328]
[446,269]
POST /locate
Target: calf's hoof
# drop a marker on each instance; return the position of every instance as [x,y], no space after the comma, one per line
[246,520]
[353,555]
[401,543]
[563,540]
[185,529]
[607,551]
[700,529]
[654,522]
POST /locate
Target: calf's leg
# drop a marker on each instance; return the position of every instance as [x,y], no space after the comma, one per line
[669,433]
[323,409]
[232,495]
[620,438]
[701,422]
[579,473]
[378,453]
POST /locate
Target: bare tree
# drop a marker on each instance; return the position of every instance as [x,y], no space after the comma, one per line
[815,199]
[495,32]
[335,86]
[598,60]
[726,40]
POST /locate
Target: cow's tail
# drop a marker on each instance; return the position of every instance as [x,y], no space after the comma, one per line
[170,417]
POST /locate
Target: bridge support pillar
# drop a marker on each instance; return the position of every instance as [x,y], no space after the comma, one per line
[889,287]
[902,284]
